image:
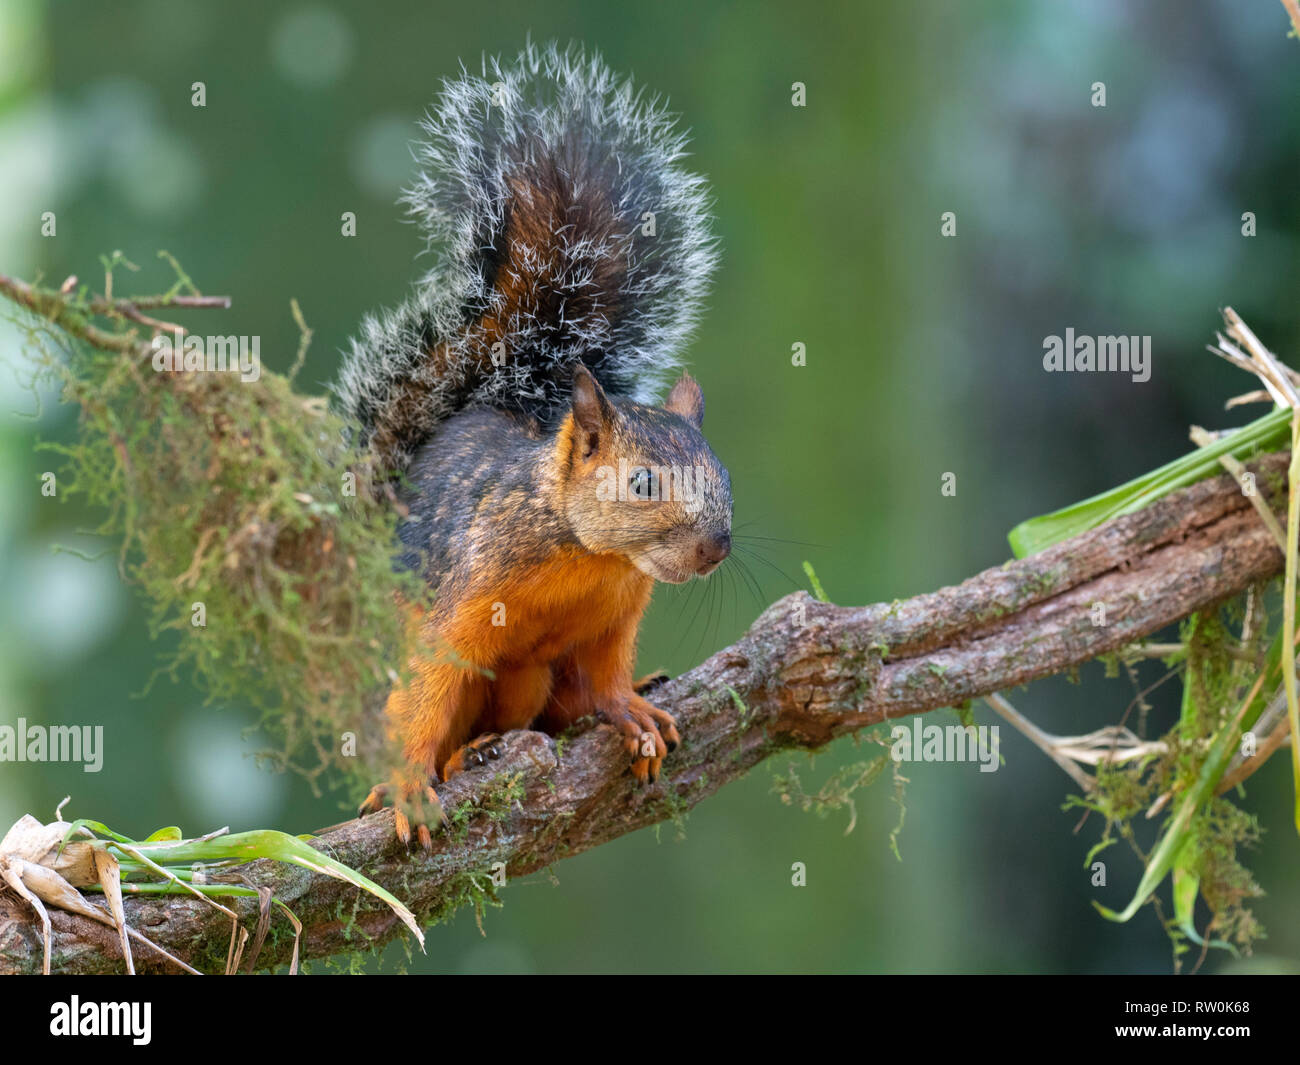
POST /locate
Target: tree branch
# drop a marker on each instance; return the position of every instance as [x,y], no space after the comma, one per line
[62,310]
[806,673]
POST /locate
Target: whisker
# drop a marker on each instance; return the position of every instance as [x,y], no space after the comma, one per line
[776,540]
[774,567]
[751,582]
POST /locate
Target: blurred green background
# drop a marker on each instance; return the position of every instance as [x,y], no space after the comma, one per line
[923,357]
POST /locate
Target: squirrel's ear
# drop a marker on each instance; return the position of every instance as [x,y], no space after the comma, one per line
[687,400]
[592,413]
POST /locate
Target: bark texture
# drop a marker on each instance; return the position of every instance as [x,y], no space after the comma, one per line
[805,673]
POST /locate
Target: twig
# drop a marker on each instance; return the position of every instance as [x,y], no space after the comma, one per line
[131,308]
[1045,742]
[1202,439]
[304,339]
[155,302]
[1279,737]
[56,308]
[59,307]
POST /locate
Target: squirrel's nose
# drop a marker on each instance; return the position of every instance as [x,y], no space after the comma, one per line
[712,549]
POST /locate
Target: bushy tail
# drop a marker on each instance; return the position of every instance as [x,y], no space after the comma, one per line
[566,229]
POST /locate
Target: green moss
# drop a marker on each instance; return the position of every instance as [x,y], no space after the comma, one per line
[678,811]
[236,496]
[741,708]
[836,793]
[1215,682]
[498,800]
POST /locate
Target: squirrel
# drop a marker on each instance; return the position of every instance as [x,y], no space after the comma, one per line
[512,398]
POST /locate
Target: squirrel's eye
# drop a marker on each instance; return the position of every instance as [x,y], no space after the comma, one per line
[642,484]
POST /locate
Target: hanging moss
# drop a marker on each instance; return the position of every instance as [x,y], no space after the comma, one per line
[245,519]
[1217,674]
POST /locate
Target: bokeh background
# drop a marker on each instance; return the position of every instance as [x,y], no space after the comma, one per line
[923,357]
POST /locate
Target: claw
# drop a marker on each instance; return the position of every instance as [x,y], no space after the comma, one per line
[374,801]
[403,826]
[648,735]
[410,804]
[650,682]
[474,754]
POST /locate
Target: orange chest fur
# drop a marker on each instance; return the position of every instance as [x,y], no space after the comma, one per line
[573,599]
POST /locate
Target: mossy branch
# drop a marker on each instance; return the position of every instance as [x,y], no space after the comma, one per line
[806,673]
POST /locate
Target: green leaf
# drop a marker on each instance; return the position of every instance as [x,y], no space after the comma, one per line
[98,827]
[1036,534]
[818,591]
[280,846]
[1186,885]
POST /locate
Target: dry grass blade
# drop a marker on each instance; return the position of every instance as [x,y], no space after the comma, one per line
[1201,438]
[264,900]
[238,937]
[1040,739]
[11,872]
[111,879]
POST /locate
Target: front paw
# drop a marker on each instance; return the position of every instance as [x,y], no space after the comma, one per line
[414,803]
[650,682]
[475,753]
[648,734]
